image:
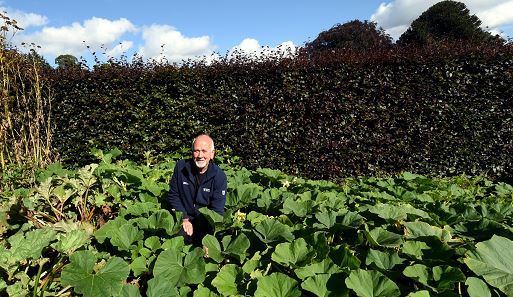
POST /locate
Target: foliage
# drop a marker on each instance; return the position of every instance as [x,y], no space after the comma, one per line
[353,35]
[66,61]
[446,20]
[403,235]
[442,109]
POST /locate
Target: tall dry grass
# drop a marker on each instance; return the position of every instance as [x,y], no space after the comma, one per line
[25,100]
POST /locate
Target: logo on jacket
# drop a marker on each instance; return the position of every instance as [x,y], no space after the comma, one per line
[185,183]
[206,190]
[223,192]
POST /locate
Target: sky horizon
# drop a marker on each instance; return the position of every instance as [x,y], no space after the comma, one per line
[177,31]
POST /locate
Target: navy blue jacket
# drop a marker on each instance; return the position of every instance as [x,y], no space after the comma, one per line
[184,196]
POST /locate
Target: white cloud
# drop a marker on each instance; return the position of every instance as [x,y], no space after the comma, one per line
[396,16]
[95,33]
[251,47]
[24,19]
[162,42]
[120,49]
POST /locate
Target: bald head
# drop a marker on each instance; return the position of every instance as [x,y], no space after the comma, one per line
[202,152]
[204,138]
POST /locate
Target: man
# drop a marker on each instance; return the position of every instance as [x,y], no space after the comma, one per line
[196,183]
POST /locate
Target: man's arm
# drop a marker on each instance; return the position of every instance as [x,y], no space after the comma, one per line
[173,198]
[218,199]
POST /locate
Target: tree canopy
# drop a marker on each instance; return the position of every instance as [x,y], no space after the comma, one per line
[351,35]
[445,20]
[65,61]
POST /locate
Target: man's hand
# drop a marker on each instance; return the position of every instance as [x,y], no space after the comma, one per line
[187,226]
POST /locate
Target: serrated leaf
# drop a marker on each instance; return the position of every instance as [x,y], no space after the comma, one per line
[106,282]
[383,260]
[152,242]
[29,245]
[371,284]
[237,247]
[294,253]
[125,236]
[317,284]
[270,230]
[414,248]
[109,228]
[227,279]
[179,270]
[69,242]
[418,272]
[277,285]
[324,267]
[160,286]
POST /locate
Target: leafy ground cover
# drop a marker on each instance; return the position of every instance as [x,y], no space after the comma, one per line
[104,230]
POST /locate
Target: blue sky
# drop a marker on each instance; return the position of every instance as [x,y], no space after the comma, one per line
[176,30]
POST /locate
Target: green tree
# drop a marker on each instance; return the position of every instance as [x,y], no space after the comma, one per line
[446,20]
[66,61]
[39,61]
[351,35]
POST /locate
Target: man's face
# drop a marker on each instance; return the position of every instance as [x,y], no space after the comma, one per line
[202,152]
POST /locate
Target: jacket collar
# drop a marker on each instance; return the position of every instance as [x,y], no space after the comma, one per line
[189,167]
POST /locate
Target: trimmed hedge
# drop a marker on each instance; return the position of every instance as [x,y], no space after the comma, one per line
[437,111]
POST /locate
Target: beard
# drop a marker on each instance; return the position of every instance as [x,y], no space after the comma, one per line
[200,163]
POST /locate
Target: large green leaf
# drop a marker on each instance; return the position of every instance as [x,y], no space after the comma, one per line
[270,230]
[327,219]
[389,211]
[477,287]
[493,260]
[325,285]
[381,237]
[414,248]
[300,208]
[277,285]
[423,229]
[29,245]
[109,228]
[383,260]
[292,253]
[69,242]
[324,267]
[344,257]
[227,279]
[371,284]
[174,268]
[214,248]
[161,286]
[237,247]
[80,273]
[125,236]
